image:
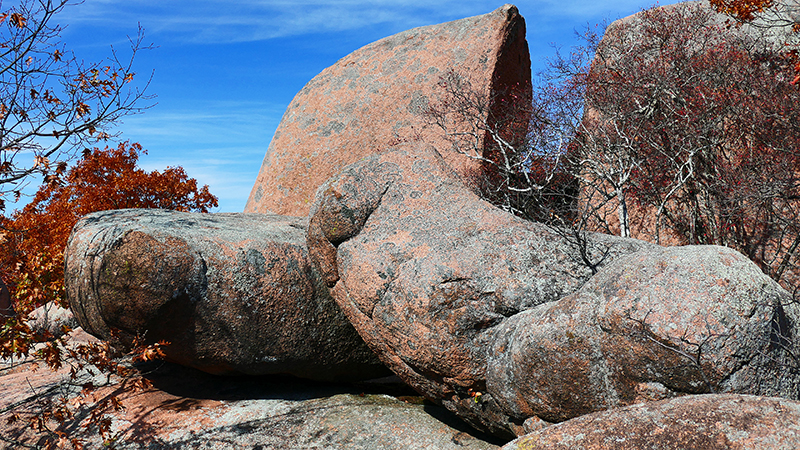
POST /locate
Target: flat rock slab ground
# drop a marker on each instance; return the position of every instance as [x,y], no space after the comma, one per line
[188,409]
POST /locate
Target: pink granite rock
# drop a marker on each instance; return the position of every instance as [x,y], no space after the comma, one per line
[231,293]
[656,324]
[374,98]
[51,319]
[428,272]
[707,422]
[458,298]
[187,409]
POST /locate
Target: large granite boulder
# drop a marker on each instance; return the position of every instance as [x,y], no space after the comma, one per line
[500,321]
[377,96]
[708,422]
[659,323]
[428,272]
[231,293]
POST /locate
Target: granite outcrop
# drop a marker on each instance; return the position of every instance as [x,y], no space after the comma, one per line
[382,258]
[709,422]
[501,321]
[377,97]
[230,293]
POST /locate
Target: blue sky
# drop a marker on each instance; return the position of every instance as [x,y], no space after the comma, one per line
[224,71]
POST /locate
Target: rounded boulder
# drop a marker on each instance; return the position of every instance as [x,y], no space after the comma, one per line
[231,293]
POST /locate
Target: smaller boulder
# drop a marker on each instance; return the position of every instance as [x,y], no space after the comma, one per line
[231,293]
[51,319]
[709,422]
[660,323]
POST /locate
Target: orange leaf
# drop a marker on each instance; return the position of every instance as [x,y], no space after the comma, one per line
[18,20]
[82,109]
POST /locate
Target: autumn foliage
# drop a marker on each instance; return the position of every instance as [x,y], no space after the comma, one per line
[742,10]
[766,14]
[35,237]
[31,259]
[52,102]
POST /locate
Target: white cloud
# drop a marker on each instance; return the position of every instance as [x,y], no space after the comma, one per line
[250,20]
[221,144]
[215,21]
[585,9]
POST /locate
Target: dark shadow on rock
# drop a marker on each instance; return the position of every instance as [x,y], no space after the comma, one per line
[191,387]
[192,384]
[441,414]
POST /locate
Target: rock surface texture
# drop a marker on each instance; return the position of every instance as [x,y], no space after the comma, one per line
[375,97]
[231,293]
[768,31]
[51,319]
[708,422]
[186,409]
[458,297]
[705,28]
[401,265]
[659,323]
[427,272]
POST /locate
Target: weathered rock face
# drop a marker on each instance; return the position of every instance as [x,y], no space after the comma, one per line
[770,30]
[232,293]
[458,297]
[709,422]
[427,272]
[186,409]
[656,324]
[51,319]
[698,29]
[375,97]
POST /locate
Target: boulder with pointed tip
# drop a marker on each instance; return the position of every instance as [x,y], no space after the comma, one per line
[376,97]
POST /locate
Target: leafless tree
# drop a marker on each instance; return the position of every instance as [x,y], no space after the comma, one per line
[672,128]
[51,102]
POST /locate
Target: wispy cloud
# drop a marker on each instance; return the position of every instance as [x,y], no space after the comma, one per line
[584,9]
[207,21]
[221,144]
[215,21]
